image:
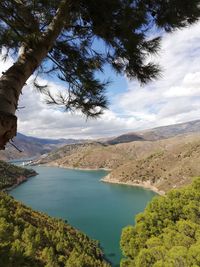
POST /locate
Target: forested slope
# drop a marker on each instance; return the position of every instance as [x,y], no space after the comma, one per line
[11,175]
[29,238]
[32,239]
[167,233]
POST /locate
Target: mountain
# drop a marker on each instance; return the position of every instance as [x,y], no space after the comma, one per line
[172,166]
[171,130]
[161,164]
[73,154]
[32,146]
[129,161]
[47,141]
[124,138]
[157,133]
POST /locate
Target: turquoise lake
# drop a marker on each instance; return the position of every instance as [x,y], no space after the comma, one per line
[99,209]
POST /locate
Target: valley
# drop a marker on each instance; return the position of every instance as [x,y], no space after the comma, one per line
[30,147]
[163,164]
[67,186]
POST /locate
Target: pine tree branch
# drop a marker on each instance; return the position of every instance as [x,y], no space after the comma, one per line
[10,25]
[24,10]
[57,23]
[63,71]
[21,17]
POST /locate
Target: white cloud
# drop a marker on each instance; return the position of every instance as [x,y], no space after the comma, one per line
[176,96]
[5,64]
[173,98]
[39,119]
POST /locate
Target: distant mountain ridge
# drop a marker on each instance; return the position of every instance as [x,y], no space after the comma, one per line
[157,133]
[48,141]
[33,146]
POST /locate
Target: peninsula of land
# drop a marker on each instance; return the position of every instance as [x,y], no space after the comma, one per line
[11,175]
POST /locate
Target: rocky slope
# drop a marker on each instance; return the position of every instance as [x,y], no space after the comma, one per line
[163,164]
[170,167]
[96,155]
[89,156]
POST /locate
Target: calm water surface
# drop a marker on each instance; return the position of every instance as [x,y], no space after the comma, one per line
[99,209]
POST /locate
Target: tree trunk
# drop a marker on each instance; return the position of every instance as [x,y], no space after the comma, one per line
[13,80]
[11,84]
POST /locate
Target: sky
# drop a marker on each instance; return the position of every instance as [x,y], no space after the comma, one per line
[173,98]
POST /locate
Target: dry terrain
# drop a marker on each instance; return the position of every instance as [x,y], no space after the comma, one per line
[28,147]
[163,164]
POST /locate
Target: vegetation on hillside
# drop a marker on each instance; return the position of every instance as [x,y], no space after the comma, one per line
[29,238]
[11,175]
[167,233]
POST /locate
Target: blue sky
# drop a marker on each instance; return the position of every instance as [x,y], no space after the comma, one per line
[174,98]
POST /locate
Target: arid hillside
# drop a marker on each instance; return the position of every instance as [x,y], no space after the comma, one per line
[165,164]
[96,155]
[172,166]
[158,133]
[32,146]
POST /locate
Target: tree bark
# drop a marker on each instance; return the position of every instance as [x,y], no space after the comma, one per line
[13,80]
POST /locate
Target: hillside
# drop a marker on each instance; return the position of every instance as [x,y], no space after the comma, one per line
[163,163]
[32,146]
[11,175]
[157,133]
[33,239]
[89,156]
[29,238]
[167,233]
[169,167]
[96,155]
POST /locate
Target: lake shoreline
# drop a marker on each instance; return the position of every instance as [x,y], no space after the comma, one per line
[86,203]
[107,178]
[20,180]
[145,185]
[73,168]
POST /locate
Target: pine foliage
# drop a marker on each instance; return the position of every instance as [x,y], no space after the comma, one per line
[10,175]
[122,27]
[167,233]
[33,239]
